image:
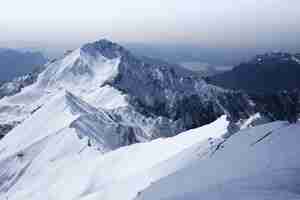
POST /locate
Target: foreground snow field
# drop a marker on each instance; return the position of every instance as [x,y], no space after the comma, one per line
[257,163]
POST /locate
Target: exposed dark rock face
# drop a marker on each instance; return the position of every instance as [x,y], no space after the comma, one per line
[161,89]
[5,128]
[101,126]
[281,105]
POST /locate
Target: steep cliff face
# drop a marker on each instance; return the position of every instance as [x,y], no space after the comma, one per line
[170,91]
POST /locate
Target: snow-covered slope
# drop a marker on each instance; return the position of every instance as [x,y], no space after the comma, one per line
[257,163]
[37,165]
[79,72]
[64,112]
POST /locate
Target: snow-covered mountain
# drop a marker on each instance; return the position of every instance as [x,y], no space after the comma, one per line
[154,96]
[100,123]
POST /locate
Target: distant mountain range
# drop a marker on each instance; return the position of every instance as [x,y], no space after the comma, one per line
[267,73]
[14,63]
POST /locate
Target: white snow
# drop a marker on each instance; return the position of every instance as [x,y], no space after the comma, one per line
[257,163]
[56,164]
[106,97]
[77,72]
[253,120]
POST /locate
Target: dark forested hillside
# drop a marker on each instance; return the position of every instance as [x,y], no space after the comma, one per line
[266,73]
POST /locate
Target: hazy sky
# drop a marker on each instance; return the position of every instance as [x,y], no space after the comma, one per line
[211,23]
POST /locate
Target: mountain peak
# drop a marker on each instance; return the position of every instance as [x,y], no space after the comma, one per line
[105,47]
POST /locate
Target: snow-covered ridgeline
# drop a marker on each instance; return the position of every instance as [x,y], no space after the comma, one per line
[256,163]
[193,164]
[37,164]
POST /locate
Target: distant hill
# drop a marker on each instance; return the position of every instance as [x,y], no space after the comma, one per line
[265,73]
[15,63]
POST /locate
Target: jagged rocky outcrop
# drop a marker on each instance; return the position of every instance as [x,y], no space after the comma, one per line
[100,126]
[281,105]
[161,89]
[153,126]
[5,128]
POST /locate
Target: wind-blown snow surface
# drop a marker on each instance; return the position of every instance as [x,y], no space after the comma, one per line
[56,164]
[79,72]
[256,163]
